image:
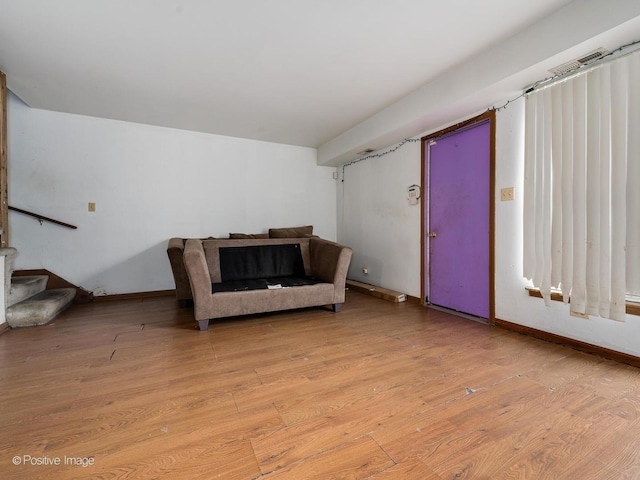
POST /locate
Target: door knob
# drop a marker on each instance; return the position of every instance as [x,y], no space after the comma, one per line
[432,234]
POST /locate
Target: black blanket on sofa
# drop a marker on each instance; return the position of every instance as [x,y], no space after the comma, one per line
[261,267]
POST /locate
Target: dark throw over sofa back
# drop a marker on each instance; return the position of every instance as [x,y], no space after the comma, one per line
[261,261]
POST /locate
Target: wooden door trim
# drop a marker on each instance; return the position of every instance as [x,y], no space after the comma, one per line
[491,117]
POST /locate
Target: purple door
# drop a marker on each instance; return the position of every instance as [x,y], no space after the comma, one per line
[458,220]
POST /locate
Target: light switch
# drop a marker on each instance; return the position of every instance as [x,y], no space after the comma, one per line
[507,194]
[92,206]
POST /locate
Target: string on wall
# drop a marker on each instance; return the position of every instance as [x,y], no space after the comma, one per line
[551,79]
[380,154]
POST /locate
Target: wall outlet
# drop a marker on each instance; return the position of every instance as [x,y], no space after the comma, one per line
[365,270]
[507,194]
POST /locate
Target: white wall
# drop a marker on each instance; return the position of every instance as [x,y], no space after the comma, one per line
[384,233]
[376,220]
[149,184]
[512,301]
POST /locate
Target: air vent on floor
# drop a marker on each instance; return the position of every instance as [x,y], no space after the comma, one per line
[579,62]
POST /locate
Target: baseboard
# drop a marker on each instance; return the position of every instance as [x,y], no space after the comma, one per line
[569,342]
[4,327]
[412,299]
[134,296]
[82,296]
[378,292]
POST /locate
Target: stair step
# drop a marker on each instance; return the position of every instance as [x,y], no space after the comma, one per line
[23,287]
[40,308]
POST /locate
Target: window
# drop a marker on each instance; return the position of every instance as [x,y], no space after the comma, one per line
[582,188]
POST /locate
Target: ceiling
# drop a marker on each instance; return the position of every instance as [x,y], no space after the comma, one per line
[297,72]
[336,75]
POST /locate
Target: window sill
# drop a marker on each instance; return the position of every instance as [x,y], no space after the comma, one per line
[633,308]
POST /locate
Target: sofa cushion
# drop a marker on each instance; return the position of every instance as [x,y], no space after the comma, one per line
[262,284]
[248,235]
[294,232]
[261,261]
[293,281]
[239,285]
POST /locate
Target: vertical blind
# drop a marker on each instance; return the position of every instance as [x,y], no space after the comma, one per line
[582,188]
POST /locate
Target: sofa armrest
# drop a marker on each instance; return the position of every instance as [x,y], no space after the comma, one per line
[175,250]
[195,263]
[330,262]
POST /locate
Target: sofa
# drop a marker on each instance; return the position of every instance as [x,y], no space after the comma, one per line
[175,251]
[242,276]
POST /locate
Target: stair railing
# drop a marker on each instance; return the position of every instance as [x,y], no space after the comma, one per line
[42,218]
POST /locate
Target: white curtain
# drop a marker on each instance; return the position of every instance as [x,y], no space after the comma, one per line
[582,188]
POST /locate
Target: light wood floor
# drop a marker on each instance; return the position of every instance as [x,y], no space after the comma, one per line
[379,391]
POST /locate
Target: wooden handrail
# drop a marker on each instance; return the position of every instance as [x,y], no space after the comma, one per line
[42,218]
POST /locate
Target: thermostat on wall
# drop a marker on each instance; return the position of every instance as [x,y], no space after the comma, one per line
[413,194]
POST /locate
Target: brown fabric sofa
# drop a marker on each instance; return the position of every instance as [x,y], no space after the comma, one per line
[324,261]
[175,251]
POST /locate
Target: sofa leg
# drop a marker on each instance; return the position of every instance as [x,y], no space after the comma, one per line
[337,307]
[203,324]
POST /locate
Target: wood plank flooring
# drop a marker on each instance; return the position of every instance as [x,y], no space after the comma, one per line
[130,389]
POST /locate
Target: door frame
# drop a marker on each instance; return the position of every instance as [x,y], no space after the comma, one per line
[424,273]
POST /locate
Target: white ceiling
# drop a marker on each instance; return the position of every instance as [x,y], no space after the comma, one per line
[298,72]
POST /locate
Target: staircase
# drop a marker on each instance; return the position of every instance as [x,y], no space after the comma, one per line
[28,302]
